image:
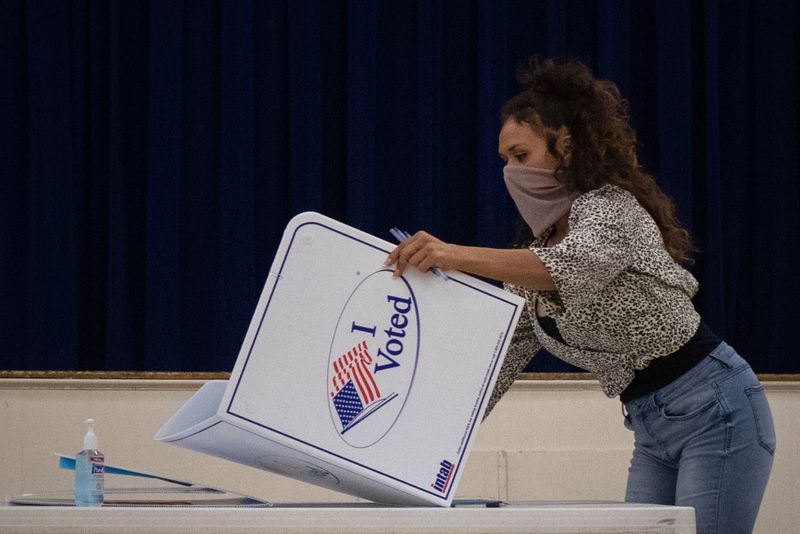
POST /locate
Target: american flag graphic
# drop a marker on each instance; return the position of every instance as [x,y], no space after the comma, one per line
[348,404]
[353,385]
[354,366]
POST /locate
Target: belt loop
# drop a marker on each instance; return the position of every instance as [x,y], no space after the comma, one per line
[720,354]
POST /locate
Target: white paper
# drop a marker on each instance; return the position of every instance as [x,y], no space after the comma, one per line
[352,379]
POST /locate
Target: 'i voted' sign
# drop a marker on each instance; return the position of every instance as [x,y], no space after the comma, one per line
[373,358]
[351,378]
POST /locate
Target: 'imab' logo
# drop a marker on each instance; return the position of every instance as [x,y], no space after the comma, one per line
[373,358]
[444,477]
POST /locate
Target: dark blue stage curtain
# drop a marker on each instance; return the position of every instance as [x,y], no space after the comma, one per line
[152,152]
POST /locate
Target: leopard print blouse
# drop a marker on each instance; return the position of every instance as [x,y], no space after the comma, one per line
[621,302]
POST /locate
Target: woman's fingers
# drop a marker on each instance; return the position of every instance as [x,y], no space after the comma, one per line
[394,255]
[408,249]
[421,250]
[420,259]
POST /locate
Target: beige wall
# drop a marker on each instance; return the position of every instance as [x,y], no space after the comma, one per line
[546,440]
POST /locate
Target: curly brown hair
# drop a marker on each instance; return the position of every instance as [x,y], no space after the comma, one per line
[560,95]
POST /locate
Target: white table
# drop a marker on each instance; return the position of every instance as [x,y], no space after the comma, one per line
[546,517]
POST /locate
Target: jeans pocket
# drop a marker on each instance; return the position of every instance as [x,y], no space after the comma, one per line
[688,404]
[765,427]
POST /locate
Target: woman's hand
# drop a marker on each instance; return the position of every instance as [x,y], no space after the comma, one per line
[423,251]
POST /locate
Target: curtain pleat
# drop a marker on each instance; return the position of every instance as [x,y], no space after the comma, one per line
[164,137]
[50,202]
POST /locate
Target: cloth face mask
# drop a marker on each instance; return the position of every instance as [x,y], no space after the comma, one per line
[540,198]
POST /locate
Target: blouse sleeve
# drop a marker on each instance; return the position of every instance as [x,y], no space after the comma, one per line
[521,350]
[597,248]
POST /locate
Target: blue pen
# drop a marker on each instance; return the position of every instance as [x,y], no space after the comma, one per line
[402,235]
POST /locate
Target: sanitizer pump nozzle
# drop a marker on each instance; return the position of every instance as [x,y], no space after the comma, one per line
[90,439]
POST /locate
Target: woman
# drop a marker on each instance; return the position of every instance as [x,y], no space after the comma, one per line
[606,291]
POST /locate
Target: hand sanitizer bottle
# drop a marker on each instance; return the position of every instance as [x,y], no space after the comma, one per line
[89,471]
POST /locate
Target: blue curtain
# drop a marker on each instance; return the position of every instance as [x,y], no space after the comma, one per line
[152,152]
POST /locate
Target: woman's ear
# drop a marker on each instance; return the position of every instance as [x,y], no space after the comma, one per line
[564,147]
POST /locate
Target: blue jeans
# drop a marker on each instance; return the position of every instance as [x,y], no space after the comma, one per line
[707,441]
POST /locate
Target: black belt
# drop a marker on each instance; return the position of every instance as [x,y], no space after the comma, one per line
[666,369]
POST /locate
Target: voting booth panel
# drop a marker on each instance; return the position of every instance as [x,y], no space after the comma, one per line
[354,379]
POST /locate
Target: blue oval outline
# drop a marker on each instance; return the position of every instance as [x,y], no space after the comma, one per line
[413,372]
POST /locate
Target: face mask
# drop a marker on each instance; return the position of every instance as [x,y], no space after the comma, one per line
[540,198]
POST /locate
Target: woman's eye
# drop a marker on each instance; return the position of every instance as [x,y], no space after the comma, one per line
[520,157]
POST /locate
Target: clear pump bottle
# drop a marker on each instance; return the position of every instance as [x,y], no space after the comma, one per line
[89,471]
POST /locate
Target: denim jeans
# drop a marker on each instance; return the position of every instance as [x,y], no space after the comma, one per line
[705,440]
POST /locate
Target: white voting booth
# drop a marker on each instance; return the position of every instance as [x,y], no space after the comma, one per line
[351,378]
